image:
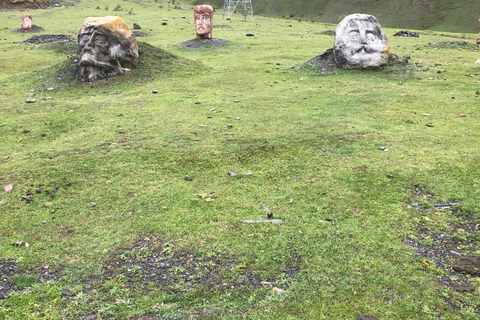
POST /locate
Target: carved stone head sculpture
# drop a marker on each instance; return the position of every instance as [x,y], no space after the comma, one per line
[106,47]
[26,22]
[360,42]
[203,21]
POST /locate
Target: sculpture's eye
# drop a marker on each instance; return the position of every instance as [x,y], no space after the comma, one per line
[354,35]
[101,40]
[371,37]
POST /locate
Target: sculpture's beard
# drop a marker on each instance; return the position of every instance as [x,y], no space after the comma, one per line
[359,54]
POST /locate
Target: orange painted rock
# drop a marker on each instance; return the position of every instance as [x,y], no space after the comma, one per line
[106,48]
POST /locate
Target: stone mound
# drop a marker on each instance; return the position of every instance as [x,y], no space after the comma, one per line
[199,43]
[406,33]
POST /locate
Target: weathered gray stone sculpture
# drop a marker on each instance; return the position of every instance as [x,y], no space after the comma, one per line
[360,42]
[106,47]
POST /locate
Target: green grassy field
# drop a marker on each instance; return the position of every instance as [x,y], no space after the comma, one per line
[115,231]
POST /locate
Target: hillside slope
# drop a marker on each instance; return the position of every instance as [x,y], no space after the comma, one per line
[443,15]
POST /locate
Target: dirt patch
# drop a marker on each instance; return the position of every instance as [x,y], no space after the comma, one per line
[49,38]
[157,263]
[34,29]
[8,268]
[200,43]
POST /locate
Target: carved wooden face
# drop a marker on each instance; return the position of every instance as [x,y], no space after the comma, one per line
[203,21]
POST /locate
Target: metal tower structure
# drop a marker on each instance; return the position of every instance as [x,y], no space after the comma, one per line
[231,5]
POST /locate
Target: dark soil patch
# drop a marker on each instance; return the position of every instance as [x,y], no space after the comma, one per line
[32,30]
[325,61]
[8,268]
[158,264]
[200,43]
[60,39]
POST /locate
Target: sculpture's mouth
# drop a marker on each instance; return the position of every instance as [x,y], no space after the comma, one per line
[87,59]
[202,29]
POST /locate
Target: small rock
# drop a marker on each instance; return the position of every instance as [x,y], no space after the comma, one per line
[8,188]
[197,102]
[212,109]
[47,204]
[26,131]
[5,158]
[429,124]
[164,23]
[50,89]
[67,293]
[30,101]
[293,177]
[154,91]
[230,125]
[92,203]
[2,202]
[278,290]
[250,35]
[18,243]
[236,101]
[382,148]
[188,178]
[232,173]
[426,114]
[164,19]
[463,287]
[136,26]
[462,115]
[266,283]
[412,120]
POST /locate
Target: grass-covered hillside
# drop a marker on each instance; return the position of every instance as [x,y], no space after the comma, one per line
[443,15]
[133,197]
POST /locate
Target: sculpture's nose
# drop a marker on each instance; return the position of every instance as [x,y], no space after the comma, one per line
[363,38]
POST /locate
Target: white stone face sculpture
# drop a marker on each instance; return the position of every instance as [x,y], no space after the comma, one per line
[360,43]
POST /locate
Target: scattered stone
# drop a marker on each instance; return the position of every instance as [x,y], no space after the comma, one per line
[67,293]
[236,101]
[429,124]
[5,158]
[382,148]
[164,23]
[8,188]
[445,205]
[50,89]
[278,290]
[462,114]
[2,201]
[266,283]
[18,243]
[230,125]
[426,114]
[232,173]
[262,220]
[463,287]
[469,264]
[26,131]
[197,102]
[92,203]
[250,35]
[154,91]
[136,26]
[188,178]
[30,101]
[164,19]
[47,204]
[412,120]
[406,33]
